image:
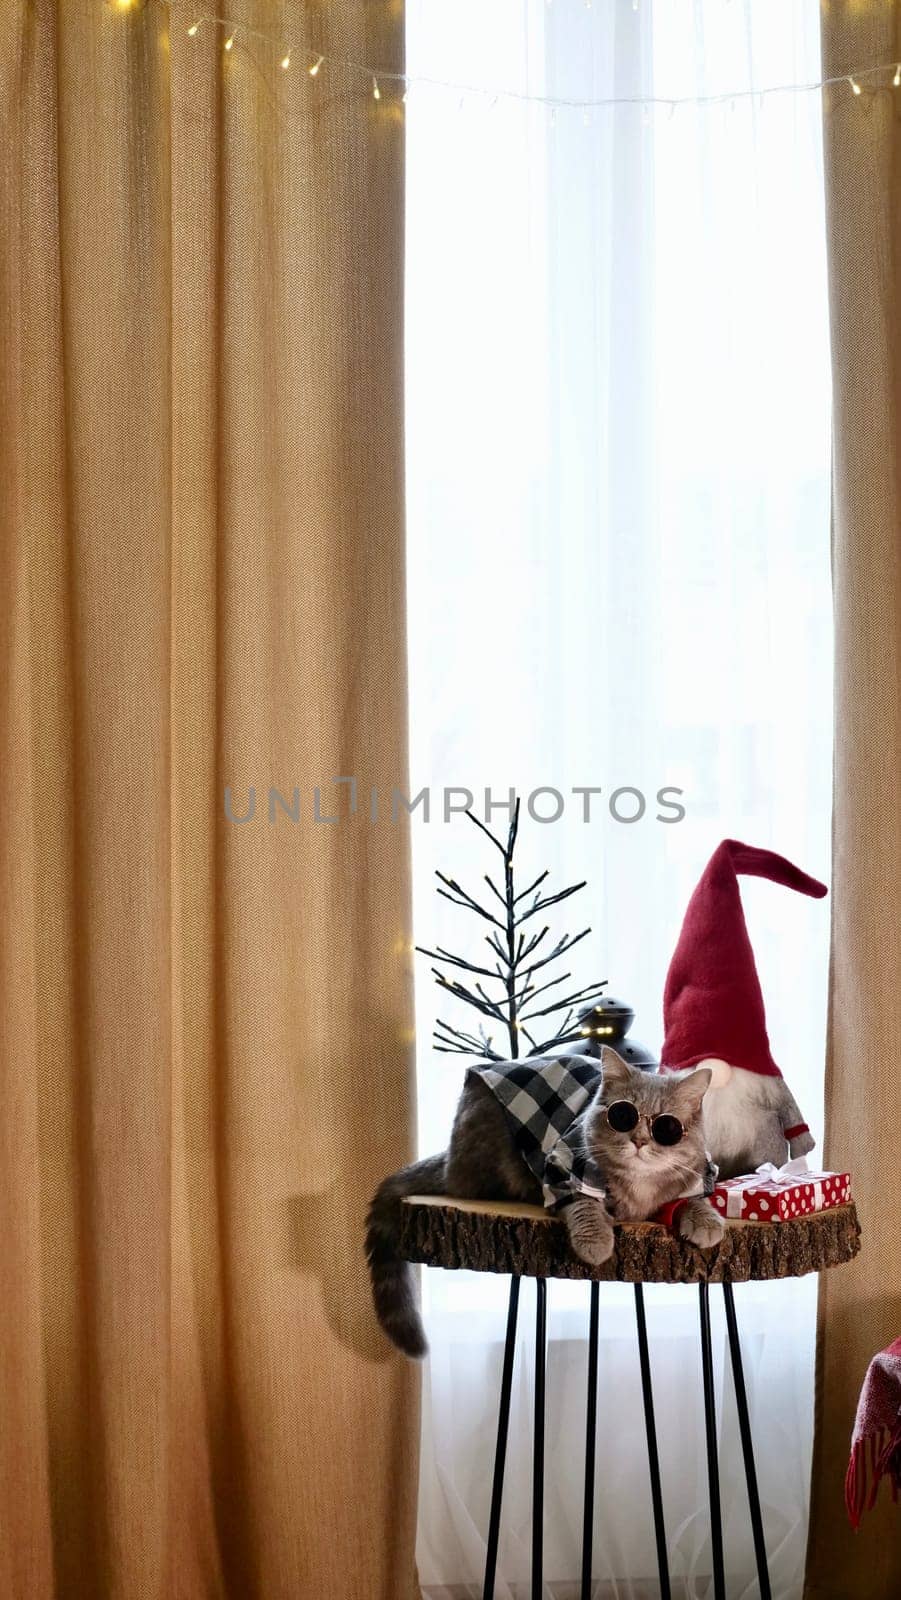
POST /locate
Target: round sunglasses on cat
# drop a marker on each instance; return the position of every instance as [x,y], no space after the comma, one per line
[623,1117]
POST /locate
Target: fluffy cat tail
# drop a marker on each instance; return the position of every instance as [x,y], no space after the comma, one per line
[393,1288]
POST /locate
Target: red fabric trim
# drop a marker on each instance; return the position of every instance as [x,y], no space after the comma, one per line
[855,1485]
[876,1442]
[770,1071]
[793,1133]
[668,1213]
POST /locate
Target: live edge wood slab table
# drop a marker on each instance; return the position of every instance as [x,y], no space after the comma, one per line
[528,1242]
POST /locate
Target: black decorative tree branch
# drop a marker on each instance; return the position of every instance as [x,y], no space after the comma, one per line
[514,967]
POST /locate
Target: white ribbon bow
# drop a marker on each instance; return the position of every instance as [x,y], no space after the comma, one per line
[782,1177]
[785,1177]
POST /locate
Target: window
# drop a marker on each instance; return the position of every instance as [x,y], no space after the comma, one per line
[618,461]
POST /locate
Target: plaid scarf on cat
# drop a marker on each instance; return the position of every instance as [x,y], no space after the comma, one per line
[544,1102]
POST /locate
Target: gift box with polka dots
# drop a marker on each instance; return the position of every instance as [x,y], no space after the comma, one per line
[757,1199]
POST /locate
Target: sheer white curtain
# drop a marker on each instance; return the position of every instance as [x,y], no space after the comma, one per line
[618,452]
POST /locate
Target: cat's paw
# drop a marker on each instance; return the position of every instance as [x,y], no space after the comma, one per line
[700,1224]
[801,1146]
[590,1231]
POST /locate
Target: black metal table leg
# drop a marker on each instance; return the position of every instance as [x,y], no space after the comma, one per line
[713,1475]
[747,1446]
[591,1420]
[716,1528]
[500,1454]
[538,1450]
[651,1431]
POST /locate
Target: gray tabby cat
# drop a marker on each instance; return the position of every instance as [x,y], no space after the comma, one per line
[483,1162]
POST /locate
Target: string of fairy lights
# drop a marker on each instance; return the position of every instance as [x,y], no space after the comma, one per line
[379,81]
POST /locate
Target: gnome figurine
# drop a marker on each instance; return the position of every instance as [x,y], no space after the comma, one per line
[713,1016]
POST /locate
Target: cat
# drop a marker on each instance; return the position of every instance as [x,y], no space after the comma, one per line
[578,1163]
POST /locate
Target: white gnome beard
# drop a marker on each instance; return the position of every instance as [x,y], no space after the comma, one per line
[745,1114]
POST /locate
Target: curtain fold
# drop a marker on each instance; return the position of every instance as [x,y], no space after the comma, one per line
[860,1306]
[204,1024]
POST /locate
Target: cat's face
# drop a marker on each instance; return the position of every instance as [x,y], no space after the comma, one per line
[652,1095]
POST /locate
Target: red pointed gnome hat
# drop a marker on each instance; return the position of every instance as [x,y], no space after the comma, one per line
[712,1001]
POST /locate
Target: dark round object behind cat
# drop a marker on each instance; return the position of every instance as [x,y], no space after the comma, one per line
[608,1022]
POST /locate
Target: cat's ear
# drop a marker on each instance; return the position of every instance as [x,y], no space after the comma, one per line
[692,1089]
[616,1072]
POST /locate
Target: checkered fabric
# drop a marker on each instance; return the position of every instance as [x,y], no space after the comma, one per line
[545,1099]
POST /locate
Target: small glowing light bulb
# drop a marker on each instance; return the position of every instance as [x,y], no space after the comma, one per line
[376,91]
[897,78]
[194,29]
[286,61]
[230,41]
[854,85]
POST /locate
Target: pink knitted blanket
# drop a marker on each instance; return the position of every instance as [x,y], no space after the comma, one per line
[876,1440]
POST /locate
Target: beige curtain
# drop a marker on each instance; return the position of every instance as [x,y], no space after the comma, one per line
[860,1305]
[204,1025]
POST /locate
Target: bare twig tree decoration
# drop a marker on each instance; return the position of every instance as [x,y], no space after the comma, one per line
[520,955]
